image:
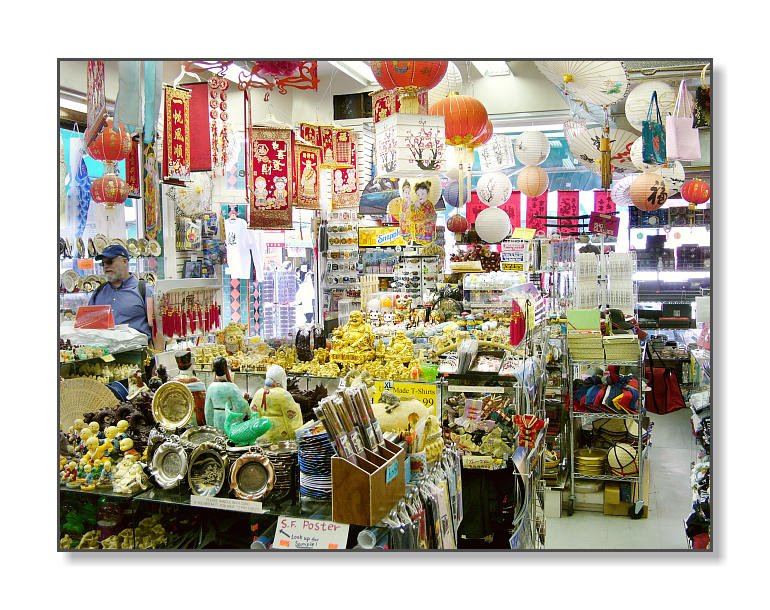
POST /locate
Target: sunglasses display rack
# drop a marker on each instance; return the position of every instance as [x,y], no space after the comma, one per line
[341,270]
[416,275]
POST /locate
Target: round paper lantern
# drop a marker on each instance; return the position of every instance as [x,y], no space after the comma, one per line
[464,118]
[400,74]
[494,189]
[620,191]
[452,81]
[110,189]
[493,225]
[696,191]
[533,181]
[636,156]
[649,192]
[109,145]
[452,194]
[457,223]
[484,137]
[531,147]
[638,101]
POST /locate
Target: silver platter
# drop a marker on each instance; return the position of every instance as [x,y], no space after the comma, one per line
[169,464]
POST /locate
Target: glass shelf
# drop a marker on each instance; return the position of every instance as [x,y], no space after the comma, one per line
[107,492]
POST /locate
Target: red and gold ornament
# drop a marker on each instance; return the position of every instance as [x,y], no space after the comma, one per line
[695,192]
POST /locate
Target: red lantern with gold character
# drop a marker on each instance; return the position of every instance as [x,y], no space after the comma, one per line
[110,145]
[410,73]
[110,189]
[457,223]
[465,118]
[696,192]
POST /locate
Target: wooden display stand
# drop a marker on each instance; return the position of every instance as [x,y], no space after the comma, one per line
[363,494]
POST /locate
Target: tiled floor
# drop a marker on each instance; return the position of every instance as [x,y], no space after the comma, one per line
[672,451]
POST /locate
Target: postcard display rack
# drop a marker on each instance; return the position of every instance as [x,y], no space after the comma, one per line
[278,295]
[341,278]
[528,526]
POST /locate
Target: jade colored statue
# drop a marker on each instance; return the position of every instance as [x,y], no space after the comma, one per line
[221,396]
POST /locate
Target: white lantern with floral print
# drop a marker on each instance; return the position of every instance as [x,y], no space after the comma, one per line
[410,145]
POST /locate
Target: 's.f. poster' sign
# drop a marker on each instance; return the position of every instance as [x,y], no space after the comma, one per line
[345,180]
[307,159]
[271,178]
[96,117]
[176,135]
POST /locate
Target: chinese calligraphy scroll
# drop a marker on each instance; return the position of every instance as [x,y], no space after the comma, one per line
[200,130]
[133,173]
[176,136]
[568,205]
[151,192]
[97,101]
[603,202]
[512,207]
[537,206]
[270,178]
[306,184]
[345,180]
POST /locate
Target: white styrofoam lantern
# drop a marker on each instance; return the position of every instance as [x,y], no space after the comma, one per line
[531,147]
[493,225]
[494,189]
[410,145]
[496,154]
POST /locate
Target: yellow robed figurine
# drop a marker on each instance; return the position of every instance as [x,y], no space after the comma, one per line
[276,404]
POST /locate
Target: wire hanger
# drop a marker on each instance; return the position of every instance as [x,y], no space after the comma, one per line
[182,74]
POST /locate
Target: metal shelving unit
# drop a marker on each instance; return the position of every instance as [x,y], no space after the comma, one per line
[574,367]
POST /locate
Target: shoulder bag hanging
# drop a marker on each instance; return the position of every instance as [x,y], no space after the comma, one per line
[682,139]
[665,395]
[653,135]
[702,111]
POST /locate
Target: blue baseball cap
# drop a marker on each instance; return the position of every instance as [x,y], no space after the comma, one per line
[112,251]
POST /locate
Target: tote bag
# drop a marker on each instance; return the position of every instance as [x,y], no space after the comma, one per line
[702,111]
[653,135]
[665,395]
[682,139]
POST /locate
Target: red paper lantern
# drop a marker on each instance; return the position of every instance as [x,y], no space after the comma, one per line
[411,73]
[484,137]
[109,190]
[109,145]
[457,223]
[465,118]
[696,191]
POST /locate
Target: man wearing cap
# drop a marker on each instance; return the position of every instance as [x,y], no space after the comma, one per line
[123,292]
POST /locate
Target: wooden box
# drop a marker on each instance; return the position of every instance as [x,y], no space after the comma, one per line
[363,494]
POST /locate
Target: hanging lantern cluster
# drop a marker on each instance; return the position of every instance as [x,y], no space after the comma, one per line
[531,149]
[110,146]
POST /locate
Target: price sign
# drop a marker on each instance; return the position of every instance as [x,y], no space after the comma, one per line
[242,506]
[299,533]
[424,392]
[523,233]
[85,264]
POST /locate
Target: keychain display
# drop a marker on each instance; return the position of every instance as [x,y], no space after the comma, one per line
[189,312]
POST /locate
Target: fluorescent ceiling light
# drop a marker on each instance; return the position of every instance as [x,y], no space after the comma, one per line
[357,70]
[519,128]
[73,105]
[492,68]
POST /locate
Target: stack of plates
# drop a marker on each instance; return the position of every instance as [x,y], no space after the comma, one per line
[314,454]
[283,457]
[590,461]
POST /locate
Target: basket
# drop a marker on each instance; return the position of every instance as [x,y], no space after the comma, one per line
[78,396]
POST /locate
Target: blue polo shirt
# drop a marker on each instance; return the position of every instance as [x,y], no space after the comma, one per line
[126,302]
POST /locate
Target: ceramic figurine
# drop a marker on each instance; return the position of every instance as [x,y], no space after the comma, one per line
[243,433]
[221,395]
[276,404]
[354,342]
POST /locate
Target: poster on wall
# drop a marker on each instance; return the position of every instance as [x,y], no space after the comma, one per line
[176,136]
[345,181]
[271,179]
[133,173]
[307,159]
[96,117]
[151,195]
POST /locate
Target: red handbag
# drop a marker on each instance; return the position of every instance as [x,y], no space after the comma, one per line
[665,395]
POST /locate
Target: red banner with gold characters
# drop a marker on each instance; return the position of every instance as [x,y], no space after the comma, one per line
[603,202]
[133,172]
[343,150]
[176,135]
[386,102]
[270,178]
[568,205]
[306,184]
[96,117]
[327,145]
[345,180]
[537,206]
[151,194]
[310,133]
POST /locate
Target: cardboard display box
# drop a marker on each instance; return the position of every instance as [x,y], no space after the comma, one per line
[618,496]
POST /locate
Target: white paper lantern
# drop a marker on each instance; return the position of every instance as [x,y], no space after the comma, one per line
[410,145]
[494,189]
[493,225]
[636,156]
[621,191]
[638,102]
[452,81]
[496,154]
[531,147]
[532,181]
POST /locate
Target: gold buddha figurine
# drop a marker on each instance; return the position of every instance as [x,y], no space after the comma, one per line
[400,349]
[354,342]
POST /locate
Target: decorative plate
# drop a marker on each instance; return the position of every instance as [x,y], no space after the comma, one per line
[172,405]
[67,282]
[204,434]
[144,246]
[70,248]
[252,476]
[91,247]
[62,248]
[118,242]
[100,243]
[169,464]
[206,474]
[133,247]
[154,248]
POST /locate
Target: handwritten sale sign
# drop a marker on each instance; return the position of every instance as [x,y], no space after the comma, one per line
[299,533]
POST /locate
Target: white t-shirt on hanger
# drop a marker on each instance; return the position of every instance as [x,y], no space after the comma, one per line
[238,245]
[258,253]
